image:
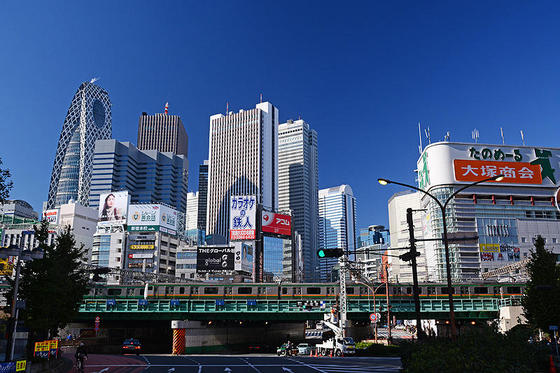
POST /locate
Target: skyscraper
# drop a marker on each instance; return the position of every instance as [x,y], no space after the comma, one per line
[298,181]
[148,175]
[88,119]
[202,195]
[191,218]
[337,224]
[243,153]
[162,132]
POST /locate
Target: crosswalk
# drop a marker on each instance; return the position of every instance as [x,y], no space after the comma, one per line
[355,368]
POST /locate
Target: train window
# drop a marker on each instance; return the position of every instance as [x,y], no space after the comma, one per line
[363,290]
[381,290]
[194,290]
[431,290]
[312,291]
[513,290]
[181,290]
[349,290]
[497,290]
[284,290]
[212,290]
[298,291]
[480,290]
[141,291]
[114,292]
[409,290]
[395,290]
[445,291]
[168,290]
[464,290]
[246,290]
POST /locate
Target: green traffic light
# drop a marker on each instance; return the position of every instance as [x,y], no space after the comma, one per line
[321,253]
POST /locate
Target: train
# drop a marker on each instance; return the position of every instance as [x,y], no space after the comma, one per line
[299,291]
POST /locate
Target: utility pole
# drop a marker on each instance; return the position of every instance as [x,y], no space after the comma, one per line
[415,289]
[389,337]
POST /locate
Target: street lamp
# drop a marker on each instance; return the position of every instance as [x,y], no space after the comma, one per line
[445,240]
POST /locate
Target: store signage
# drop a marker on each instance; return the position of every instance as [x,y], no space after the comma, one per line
[242,223]
[140,256]
[51,216]
[142,247]
[276,223]
[214,259]
[489,248]
[514,172]
[152,218]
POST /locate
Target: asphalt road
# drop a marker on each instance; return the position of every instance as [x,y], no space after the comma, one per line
[239,364]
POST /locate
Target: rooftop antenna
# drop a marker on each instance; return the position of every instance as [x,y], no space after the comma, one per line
[261,98]
[447,136]
[93,80]
[502,134]
[522,138]
[428,137]
[475,135]
[166,110]
[420,138]
[227,107]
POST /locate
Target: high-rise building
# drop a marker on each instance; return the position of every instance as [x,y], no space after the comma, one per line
[202,195]
[337,225]
[298,186]
[148,175]
[243,160]
[191,219]
[88,119]
[162,132]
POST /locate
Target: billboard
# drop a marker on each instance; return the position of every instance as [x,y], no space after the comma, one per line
[243,256]
[152,218]
[113,207]
[242,221]
[450,163]
[214,259]
[276,223]
[51,216]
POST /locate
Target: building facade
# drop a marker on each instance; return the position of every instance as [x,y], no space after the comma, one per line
[202,195]
[11,211]
[506,215]
[164,133]
[243,160]
[88,119]
[337,225]
[298,188]
[194,235]
[148,175]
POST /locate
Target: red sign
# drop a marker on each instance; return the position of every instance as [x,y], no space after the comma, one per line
[276,223]
[514,172]
[241,234]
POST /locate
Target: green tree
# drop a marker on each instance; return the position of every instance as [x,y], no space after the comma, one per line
[5,184]
[541,302]
[53,286]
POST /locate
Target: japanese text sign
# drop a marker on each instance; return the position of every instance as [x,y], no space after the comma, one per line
[242,221]
[276,223]
[514,172]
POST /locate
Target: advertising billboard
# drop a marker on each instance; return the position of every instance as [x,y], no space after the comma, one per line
[243,256]
[274,223]
[51,216]
[449,163]
[152,218]
[242,221]
[214,259]
[113,207]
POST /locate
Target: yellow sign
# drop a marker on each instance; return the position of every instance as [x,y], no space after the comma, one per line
[489,247]
[20,365]
[142,247]
[6,268]
[53,344]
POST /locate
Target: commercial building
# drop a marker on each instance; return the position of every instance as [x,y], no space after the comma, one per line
[185,267]
[243,161]
[398,270]
[298,187]
[88,119]
[149,176]
[506,215]
[162,132]
[337,225]
[13,211]
[193,234]
[202,195]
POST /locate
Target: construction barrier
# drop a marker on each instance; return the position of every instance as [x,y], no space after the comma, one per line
[178,341]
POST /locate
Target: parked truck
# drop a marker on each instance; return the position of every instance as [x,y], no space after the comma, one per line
[338,345]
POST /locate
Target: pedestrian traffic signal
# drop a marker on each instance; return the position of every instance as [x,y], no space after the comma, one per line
[330,253]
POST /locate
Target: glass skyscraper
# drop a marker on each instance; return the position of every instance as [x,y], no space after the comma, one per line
[88,119]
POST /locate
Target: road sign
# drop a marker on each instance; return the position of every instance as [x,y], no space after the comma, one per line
[374,317]
[553,327]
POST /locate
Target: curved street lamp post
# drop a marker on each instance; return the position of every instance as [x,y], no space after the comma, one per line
[444,238]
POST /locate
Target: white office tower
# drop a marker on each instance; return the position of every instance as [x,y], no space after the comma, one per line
[191,220]
[243,160]
[298,186]
[400,271]
[337,225]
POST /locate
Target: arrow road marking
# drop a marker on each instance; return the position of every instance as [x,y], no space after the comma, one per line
[227,370]
[170,370]
[287,370]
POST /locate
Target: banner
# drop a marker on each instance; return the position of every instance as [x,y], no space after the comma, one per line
[113,207]
[514,172]
[276,223]
[212,259]
[152,218]
[51,216]
[242,222]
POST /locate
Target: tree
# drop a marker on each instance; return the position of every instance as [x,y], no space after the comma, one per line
[5,184]
[541,301]
[53,286]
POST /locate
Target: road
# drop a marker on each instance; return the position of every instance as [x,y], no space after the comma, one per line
[239,364]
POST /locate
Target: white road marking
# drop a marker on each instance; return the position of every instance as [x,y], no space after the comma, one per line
[199,368]
[227,370]
[287,370]
[307,365]
[251,365]
[170,370]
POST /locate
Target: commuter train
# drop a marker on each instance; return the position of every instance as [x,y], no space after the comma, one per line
[300,291]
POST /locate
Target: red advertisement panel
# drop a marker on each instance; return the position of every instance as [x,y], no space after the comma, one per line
[276,223]
[514,172]
[241,234]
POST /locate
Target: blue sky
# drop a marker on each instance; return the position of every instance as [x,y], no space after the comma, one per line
[363,74]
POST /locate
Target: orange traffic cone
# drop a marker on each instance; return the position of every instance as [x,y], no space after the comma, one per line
[310,353]
[552,366]
[330,355]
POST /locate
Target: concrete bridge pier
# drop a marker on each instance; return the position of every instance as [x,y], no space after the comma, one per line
[179,328]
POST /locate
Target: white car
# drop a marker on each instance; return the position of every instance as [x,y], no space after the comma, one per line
[304,349]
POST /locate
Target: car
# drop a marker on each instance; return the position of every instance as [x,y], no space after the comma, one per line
[131,346]
[303,349]
[284,351]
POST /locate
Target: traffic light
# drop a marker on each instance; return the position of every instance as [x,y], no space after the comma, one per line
[408,256]
[330,253]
